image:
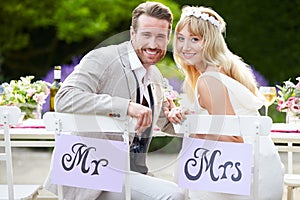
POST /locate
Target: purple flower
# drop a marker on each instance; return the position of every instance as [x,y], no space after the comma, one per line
[66,69]
[261,80]
[176,84]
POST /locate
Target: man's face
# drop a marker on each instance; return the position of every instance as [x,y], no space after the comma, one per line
[150,40]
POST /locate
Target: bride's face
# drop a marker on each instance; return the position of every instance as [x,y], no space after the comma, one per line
[189,47]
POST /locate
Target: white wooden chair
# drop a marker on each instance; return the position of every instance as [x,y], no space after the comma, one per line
[253,126]
[10,115]
[66,123]
[292,181]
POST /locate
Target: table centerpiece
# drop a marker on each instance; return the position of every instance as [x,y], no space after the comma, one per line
[288,100]
[29,96]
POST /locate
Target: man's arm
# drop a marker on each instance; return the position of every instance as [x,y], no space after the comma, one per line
[93,88]
[89,88]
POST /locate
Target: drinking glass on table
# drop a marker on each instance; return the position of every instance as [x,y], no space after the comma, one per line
[269,94]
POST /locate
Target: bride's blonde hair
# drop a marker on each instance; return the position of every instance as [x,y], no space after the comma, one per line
[215,50]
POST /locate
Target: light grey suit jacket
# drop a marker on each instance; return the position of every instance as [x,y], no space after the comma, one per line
[103,83]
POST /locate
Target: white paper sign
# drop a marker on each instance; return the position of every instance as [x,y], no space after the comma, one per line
[89,163]
[215,166]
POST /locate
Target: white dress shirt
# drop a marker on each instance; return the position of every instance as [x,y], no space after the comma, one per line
[142,74]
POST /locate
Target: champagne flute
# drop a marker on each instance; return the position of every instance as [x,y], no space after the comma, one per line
[269,94]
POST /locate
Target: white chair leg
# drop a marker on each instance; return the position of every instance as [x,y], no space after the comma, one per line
[60,192]
[290,192]
[127,178]
[186,194]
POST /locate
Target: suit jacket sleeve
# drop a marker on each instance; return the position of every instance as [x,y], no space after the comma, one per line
[93,85]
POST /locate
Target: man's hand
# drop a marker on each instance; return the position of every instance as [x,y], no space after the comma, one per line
[143,115]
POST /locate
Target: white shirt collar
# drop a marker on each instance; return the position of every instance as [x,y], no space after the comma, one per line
[142,74]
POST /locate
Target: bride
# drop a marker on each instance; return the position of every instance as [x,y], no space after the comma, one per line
[220,83]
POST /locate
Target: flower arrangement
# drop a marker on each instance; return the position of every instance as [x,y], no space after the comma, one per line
[170,93]
[25,94]
[288,98]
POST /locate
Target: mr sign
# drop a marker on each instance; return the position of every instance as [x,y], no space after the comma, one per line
[215,166]
[89,163]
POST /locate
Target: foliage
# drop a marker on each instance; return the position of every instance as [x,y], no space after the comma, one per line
[264,33]
[289,96]
[72,20]
[36,35]
[165,144]
[169,69]
[46,33]
[25,94]
[277,117]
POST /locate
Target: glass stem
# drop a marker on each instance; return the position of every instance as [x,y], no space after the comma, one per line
[266,110]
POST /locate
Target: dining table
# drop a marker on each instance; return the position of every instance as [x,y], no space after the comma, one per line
[30,133]
[286,137]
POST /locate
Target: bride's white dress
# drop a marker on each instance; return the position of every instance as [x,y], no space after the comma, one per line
[270,166]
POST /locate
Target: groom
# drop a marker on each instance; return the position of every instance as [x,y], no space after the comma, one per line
[122,80]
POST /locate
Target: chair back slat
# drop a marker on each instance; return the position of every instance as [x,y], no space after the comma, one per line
[13,114]
[86,123]
[233,125]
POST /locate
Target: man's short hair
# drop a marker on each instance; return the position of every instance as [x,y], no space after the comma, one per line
[152,9]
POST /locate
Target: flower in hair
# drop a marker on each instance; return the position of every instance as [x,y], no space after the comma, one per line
[204,16]
[196,12]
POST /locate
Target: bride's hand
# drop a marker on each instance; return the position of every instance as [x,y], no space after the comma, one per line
[176,115]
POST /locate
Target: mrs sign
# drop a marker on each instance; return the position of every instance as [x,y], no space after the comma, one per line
[221,166]
[216,166]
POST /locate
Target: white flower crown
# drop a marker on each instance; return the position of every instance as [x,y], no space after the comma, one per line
[194,11]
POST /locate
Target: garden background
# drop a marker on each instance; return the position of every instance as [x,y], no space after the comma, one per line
[36,35]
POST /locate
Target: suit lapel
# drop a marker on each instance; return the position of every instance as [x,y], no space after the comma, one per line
[157,94]
[123,53]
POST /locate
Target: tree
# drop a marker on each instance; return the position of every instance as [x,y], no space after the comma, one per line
[264,33]
[35,35]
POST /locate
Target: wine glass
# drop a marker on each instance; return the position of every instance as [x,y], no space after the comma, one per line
[269,94]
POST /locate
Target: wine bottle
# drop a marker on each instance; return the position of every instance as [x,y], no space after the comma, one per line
[55,86]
